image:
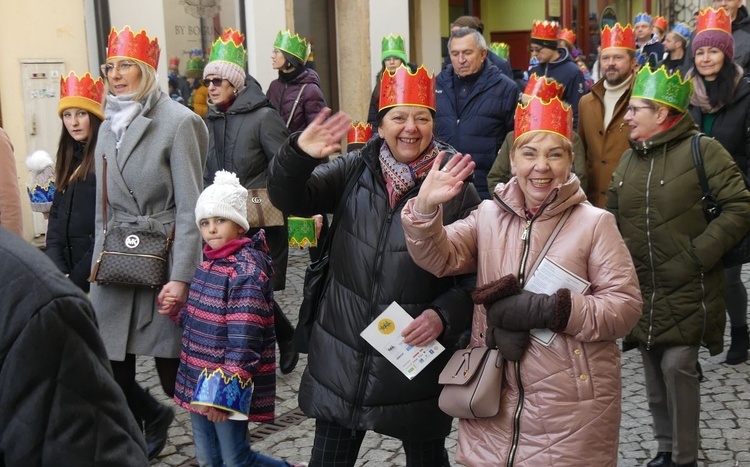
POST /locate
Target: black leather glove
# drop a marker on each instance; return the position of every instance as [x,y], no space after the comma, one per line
[511,344]
[528,310]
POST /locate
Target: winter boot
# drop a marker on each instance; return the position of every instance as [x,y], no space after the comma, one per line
[737,352]
[156,419]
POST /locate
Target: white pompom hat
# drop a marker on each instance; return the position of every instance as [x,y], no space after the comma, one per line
[225,198]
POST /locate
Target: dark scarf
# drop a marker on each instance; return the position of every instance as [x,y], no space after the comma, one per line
[399,177]
[289,77]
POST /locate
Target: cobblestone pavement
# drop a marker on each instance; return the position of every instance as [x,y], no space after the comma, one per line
[725,418]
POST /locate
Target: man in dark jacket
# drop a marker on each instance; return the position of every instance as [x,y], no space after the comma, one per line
[740,30]
[558,64]
[472,22]
[675,44]
[59,404]
[475,103]
[647,43]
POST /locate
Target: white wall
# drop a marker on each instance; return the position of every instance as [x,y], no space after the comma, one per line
[387,17]
[429,19]
[264,19]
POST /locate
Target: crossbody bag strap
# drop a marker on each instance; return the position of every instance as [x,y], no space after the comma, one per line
[294,107]
[340,208]
[551,239]
[695,146]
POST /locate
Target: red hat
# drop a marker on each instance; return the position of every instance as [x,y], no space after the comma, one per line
[174,62]
[618,37]
[567,35]
[544,88]
[661,23]
[554,116]
[140,47]
[714,29]
[83,93]
[359,132]
[406,88]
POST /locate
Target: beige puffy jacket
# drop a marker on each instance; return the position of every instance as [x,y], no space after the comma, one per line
[569,414]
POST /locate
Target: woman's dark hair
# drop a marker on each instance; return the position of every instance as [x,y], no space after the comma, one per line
[722,91]
[65,170]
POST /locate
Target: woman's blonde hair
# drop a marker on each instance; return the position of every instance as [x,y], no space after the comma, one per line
[533,136]
[147,85]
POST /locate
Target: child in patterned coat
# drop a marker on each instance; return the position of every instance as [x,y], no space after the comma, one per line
[228,340]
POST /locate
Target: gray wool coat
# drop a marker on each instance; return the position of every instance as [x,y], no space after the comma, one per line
[153,180]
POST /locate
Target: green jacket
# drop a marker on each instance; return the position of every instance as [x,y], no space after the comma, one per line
[656,199]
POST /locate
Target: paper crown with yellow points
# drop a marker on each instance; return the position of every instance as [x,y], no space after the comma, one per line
[292,44]
[393,46]
[710,19]
[618,37]
[228,48]
[663,87]
[660,22]
[302,232]
[140,47]
[194,67]
[552,116]
[568,36]
[544,88]
[501,49]
[83,93]
[403,87]
[359,132]
[223,391]
[643,17]
[544,30]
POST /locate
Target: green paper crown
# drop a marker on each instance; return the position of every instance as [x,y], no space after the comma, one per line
[292,44]
[660,86]
[229,48]
[393,46]
[194,68]
[501,49]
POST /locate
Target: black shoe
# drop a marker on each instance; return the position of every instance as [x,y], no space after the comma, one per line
[737,352]
[288,357]
[156,420]
[662,459]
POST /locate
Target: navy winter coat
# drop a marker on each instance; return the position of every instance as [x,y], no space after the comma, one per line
[566,72]
[481,126]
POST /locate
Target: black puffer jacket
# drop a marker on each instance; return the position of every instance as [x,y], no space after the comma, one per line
[346,381]
[243,140]
[70,231]
[59,404]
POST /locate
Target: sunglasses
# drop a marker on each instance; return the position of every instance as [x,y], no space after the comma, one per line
[215,81]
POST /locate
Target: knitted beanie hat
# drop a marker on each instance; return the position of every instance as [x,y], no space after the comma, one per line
[232,72]
[715,38]
[226,198]
[41,187]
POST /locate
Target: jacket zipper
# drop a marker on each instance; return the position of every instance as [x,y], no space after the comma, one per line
[650,257]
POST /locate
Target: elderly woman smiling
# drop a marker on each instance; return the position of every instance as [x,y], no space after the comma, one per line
[348,387]
[558,396]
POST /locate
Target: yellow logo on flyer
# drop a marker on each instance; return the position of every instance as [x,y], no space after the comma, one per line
[386,326]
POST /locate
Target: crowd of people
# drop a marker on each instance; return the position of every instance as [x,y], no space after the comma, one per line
[466,183]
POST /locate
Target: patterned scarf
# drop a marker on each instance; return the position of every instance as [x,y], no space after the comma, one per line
[399,177]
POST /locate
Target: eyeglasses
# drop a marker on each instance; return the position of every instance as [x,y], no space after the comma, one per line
[215,81]
[535,50]
[633,109]
[122,68]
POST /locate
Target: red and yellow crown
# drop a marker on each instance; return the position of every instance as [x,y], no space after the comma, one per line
[618,37]
[711,19]
[359,132]
[567,35]
[406,88]
[83,93]
[544,30]
[660,22]
[554,116]
[544,88]
[125,44]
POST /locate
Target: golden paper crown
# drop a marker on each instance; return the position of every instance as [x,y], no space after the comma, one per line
[359,132]
[544,30]
[618,37]
[554,116]
[140,47]
[567,35]
[403,87]
[660,22]
[544,88]
[83,93]
[709,19]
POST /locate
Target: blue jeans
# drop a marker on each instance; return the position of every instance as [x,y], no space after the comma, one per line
[226,444]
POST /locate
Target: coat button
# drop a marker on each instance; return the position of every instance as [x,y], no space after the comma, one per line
[583,377]
[577,351]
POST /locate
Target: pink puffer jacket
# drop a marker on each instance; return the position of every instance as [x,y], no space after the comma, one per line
[570,410]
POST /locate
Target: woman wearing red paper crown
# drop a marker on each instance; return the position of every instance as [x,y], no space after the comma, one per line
[349,387]
[561,389]
[154,151]
[70,231]
[720,105]
[657,199]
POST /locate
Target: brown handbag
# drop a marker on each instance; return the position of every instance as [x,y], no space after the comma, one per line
[260,211]
[131,256]
[471,383]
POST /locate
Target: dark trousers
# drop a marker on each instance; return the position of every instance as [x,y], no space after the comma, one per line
[338,446]
[124,373]
[281,324]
